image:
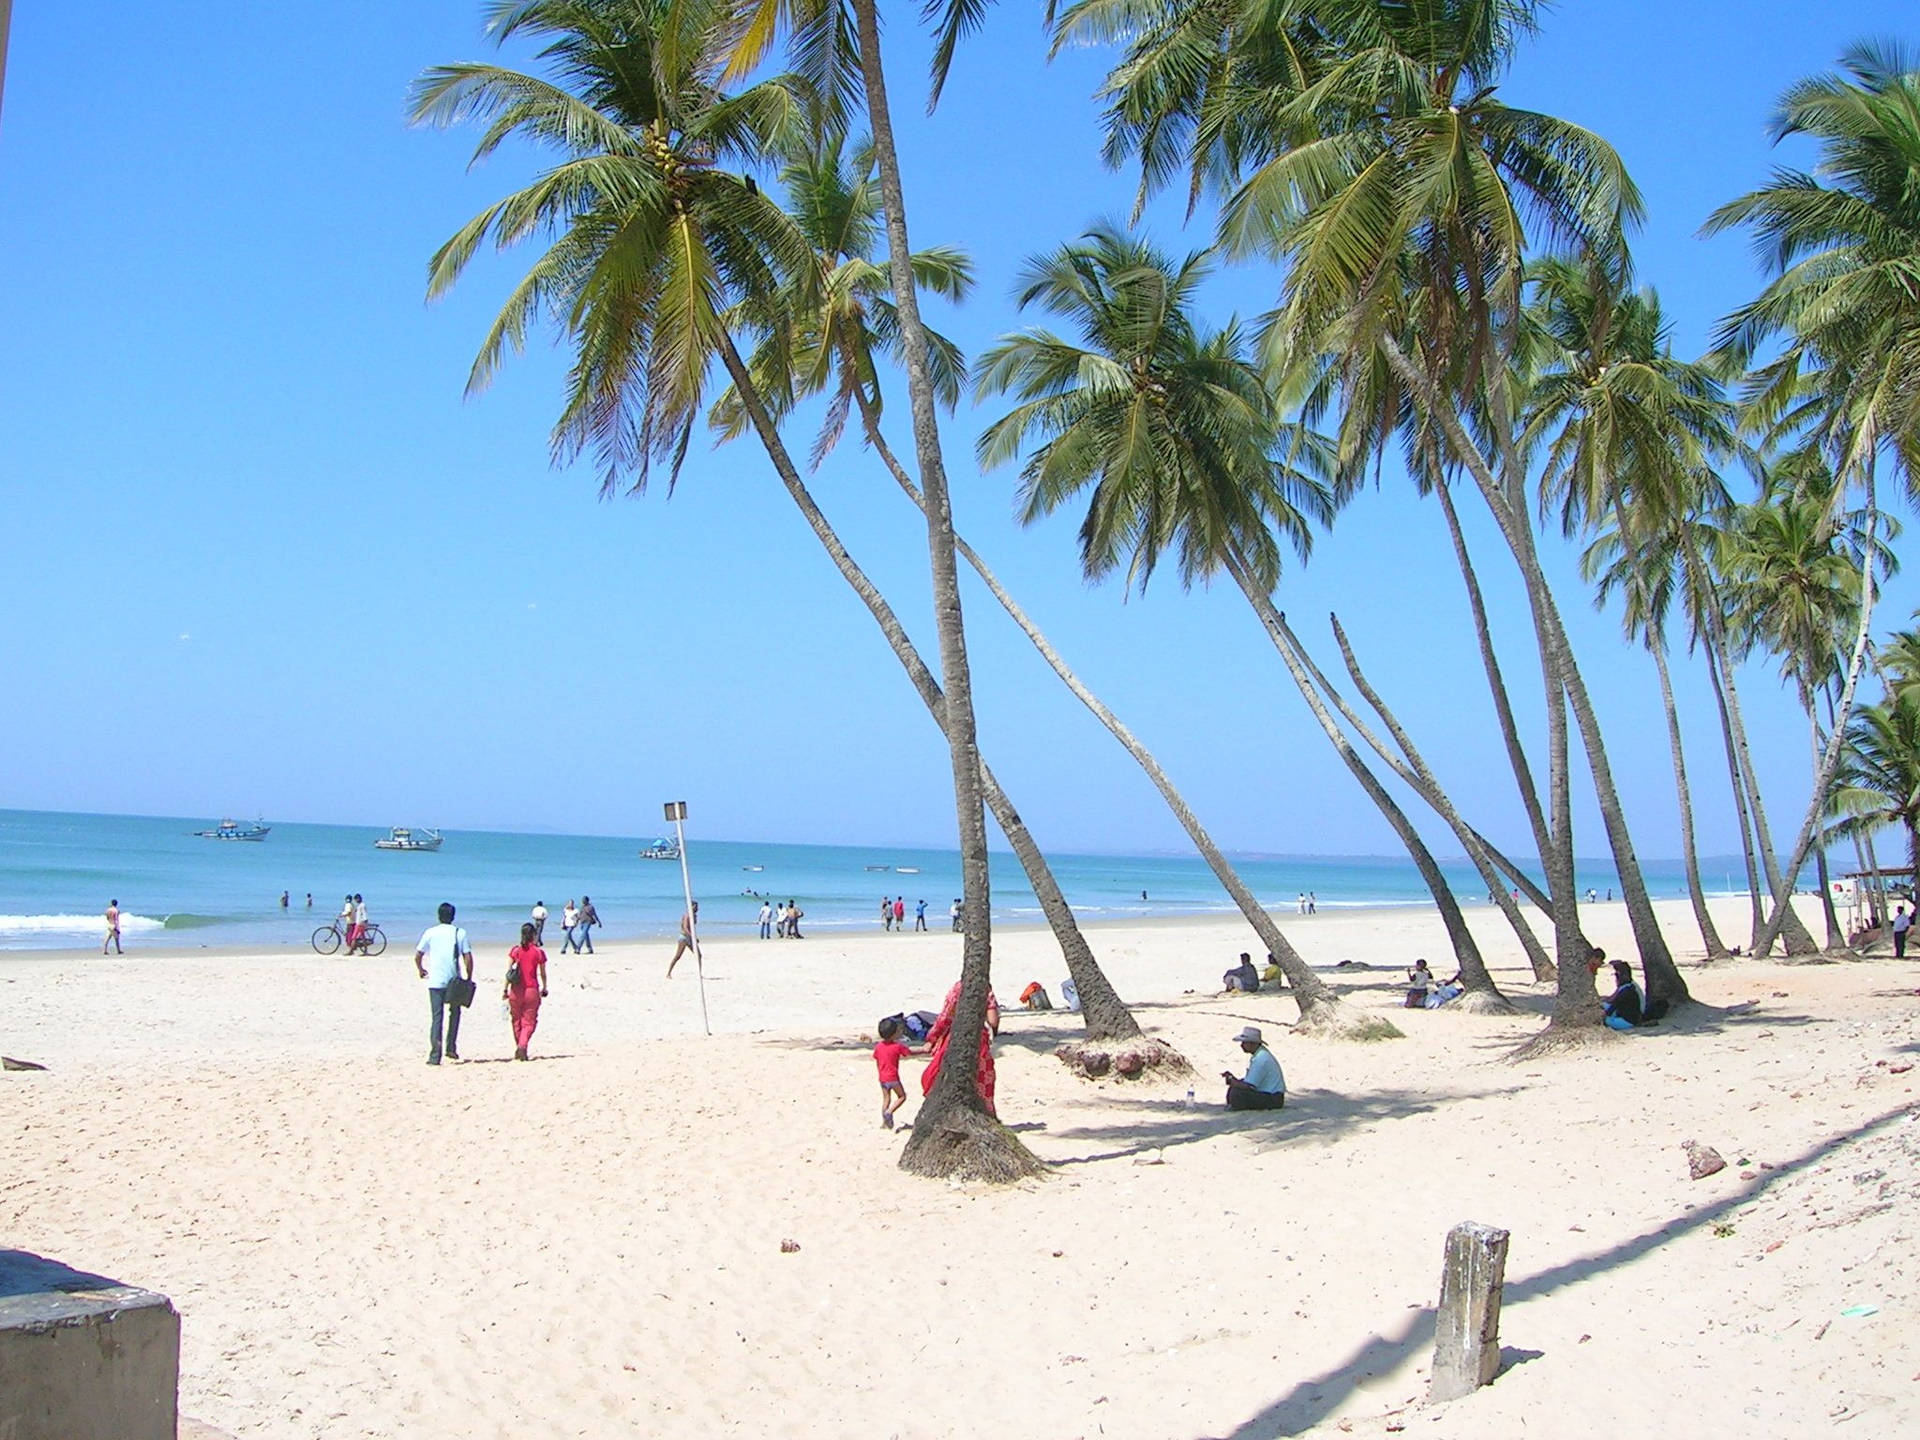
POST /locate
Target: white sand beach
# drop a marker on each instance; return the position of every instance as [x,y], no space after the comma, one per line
[592,1244]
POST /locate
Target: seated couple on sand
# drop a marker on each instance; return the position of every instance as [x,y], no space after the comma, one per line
[1244,977]
[1423,994]
[1264,1087]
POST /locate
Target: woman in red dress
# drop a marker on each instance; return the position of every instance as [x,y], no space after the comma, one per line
[526,987]
[942,1032]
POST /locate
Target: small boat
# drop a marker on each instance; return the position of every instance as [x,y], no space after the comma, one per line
[878,867]
[906,869]
[756,869]
[661,850]
[233,830]
[401,838]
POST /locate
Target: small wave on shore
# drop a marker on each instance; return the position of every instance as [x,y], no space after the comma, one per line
[52,928]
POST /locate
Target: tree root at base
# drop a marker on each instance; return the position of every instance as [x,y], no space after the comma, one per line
[1559,1039]
[1336,1021]
[1483,1002]
[1140,1058]
[964,1144]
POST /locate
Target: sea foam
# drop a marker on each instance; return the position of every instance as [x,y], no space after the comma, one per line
[75,924]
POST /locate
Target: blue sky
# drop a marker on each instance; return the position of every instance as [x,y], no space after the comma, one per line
[270,561]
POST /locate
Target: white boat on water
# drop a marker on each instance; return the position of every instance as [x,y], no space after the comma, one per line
[661,850]
[234,830]
[401,838]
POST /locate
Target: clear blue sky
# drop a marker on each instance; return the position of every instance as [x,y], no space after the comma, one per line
[269,561]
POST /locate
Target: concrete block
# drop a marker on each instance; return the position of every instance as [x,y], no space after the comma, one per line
[1466,1347]
[83,1357]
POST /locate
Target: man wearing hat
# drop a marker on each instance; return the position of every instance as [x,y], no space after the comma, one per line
[1265,1088]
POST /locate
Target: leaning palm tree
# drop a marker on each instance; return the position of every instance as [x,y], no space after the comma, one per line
[1362,145]
[1627,433]
[1843,242]
[1174,438]
[842,327]
[656,249]
[837,324]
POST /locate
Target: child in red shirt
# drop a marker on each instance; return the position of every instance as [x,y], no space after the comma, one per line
[886,1058]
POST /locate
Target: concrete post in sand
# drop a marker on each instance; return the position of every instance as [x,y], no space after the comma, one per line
[1466,1343]
[84,1358]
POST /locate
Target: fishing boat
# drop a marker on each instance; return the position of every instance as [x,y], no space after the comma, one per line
[234,830]
[755,869]
[907,869]
[661,850]
[876,867]
[401,838]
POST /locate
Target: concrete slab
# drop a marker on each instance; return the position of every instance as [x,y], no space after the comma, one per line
[83,1357]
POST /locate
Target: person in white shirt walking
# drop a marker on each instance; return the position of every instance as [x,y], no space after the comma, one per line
[539,918]
[766,919]
[569,917]
[438,957]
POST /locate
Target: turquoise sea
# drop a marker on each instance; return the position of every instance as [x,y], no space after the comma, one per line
[57,872]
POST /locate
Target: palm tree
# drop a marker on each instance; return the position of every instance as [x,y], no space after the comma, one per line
[1627,433]
[1878,782]
[1174,435]
[657,249]
[1361,144]
[1793,572]
[1843,243]
[841,327]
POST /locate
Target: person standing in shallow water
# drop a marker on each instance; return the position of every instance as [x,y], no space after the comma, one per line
[526,988]
[589,917]
[113,929]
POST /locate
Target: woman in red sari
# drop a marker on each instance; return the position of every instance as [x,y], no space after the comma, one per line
[942,1032]
[526,987]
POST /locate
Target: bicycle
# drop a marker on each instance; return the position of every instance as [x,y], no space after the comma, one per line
[329,938]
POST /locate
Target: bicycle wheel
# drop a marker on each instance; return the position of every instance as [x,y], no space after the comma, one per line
[374,941]
[326,940]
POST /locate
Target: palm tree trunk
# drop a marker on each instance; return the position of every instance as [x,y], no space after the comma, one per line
[1798,940]
[954,1134]
[1320,1008]
[1663,977]
[1503,707]
[1104,1014]
[1414,770]
[1473,969]
[1738,781]
[1716,947]
[1836,937]
[1830,759]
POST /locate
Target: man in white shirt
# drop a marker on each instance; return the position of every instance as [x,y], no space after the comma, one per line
[539,918]
[437,957]
[1902,923]
[766,919]
[1265,1088]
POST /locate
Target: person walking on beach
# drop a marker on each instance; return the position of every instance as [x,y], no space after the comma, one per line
[344,922]
[569,917]
[437,957]
[766,919]
[886,913]
[900,912]
[539,918]
[1902,923]
[887,1056]
[526,987]
[359,936]
[794,912]
[113,929]
[1264,1088]
[953,914]
[1313,903]
[688,919]
[919,917]
[589,917]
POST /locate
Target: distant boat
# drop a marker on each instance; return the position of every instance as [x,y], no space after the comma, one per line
[233,830]
[661,850]
[401,838]
[879,867]
[906,869]
[755,868]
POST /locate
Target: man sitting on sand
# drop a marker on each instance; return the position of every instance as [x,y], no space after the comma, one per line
[1242,977]
[1265,1088]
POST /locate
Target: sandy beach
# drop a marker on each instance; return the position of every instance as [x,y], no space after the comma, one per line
[592,1244]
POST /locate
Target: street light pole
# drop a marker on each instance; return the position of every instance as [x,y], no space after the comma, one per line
[676,811]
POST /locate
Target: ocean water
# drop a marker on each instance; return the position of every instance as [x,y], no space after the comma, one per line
[58,871]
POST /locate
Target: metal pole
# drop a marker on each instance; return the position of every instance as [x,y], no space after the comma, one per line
[678,809]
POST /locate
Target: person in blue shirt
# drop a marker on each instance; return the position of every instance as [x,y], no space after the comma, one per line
[1264,1087]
